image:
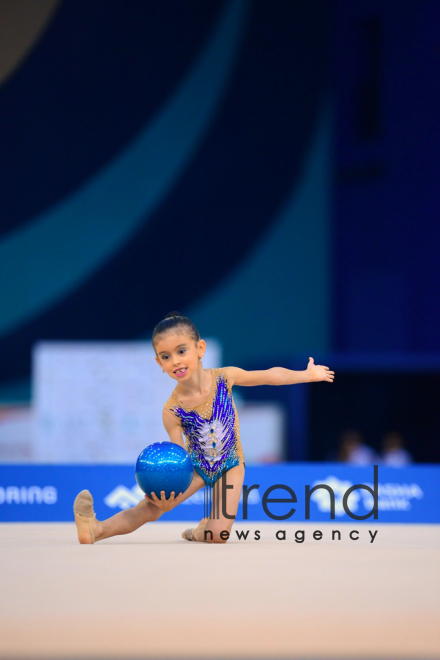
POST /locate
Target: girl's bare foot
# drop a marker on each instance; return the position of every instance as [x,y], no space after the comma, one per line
[188,534]
[86,523]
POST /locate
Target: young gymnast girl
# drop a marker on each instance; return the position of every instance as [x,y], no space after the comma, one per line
[202,408]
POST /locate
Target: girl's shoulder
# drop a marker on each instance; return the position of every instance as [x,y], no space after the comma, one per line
[170,402]
[224,374]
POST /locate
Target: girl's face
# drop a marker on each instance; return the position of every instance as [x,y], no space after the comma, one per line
[178,354]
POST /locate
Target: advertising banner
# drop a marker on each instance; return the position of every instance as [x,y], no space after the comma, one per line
[39,493]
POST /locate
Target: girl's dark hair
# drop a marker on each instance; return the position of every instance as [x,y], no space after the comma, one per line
[174,321]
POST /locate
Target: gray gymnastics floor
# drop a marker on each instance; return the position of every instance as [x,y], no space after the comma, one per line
[153,595]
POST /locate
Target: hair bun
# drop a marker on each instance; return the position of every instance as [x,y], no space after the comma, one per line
[171,315]
[177,322]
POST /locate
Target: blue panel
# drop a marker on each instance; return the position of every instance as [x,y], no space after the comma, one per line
[46,493]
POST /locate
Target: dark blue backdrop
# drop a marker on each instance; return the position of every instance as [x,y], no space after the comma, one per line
[387,198]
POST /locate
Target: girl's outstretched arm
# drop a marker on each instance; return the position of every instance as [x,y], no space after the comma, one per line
[280,376]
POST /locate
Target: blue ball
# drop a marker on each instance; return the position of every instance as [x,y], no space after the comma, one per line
[164,466]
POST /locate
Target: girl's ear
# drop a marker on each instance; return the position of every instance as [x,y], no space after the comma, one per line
[158,361]
[201,348]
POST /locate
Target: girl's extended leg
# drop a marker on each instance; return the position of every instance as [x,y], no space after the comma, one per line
[90,529]
[219,523]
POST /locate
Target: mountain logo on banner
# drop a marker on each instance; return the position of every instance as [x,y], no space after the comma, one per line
[123,497]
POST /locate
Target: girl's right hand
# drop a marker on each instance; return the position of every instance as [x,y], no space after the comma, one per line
[162,503]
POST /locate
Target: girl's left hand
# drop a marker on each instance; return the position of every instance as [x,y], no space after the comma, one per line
[317,372]
[162,503]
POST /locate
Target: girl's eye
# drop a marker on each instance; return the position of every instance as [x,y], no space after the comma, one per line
[164,357]
[182,350]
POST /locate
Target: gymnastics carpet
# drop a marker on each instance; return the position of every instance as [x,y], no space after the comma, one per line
[151,594]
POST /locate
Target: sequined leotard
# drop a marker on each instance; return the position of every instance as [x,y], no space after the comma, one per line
[211,429]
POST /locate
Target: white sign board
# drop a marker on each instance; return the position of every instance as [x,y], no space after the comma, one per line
[98,402]
[262,432]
